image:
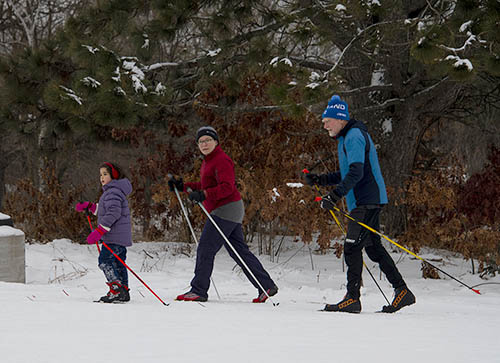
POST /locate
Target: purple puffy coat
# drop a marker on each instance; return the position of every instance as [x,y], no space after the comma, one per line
[113,212]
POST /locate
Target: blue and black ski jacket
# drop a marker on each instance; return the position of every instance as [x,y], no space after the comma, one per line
[360,178]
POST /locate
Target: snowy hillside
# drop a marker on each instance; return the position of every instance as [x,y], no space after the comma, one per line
[53,319]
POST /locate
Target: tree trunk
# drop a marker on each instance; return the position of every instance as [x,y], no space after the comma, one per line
[5,161]
[397,157]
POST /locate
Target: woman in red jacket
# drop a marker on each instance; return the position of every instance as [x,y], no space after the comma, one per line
[217,191]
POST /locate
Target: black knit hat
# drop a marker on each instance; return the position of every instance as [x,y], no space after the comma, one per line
[208,131]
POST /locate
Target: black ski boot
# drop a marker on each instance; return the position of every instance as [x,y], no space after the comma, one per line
[402,297]
[117,293]
[347,305]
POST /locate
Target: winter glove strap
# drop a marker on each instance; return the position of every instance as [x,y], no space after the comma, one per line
[328,201]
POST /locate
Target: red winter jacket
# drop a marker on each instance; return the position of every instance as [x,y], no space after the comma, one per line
[217,180]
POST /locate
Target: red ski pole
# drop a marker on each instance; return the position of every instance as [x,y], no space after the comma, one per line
[90,224]
[128,268]
[138,278]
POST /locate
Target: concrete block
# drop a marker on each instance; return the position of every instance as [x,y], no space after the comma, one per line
[12,255]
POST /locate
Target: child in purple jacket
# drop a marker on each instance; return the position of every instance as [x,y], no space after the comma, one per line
[114,228]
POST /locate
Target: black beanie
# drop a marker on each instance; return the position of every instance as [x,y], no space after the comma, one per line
[208,131]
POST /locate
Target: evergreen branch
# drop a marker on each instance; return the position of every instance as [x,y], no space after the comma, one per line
[385,104]
[246,108]
[353,40]
[311,64]
[430,88]
[236,41]
[366,89]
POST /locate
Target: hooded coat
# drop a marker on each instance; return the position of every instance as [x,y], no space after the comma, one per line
[113,212]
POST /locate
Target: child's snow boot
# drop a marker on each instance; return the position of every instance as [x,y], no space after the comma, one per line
[117,293]
[263,297]
[347,305]
[402,297]
[124,293]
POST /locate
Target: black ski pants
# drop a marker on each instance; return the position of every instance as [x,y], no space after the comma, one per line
[358,237]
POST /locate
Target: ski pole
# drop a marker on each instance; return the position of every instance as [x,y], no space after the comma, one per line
[318,199]
[138,278]
[236,253]
[191,227]
[342,229]
[87,213]
[128,268]
[364,264]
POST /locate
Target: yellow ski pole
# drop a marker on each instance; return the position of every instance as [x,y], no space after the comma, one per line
[318,199]
[342,229]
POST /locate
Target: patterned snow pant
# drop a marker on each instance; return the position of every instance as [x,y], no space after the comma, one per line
[113,269]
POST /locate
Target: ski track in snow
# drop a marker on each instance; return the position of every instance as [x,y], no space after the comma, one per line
[52,318]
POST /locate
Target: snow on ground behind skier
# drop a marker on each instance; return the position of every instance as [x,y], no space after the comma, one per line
[52,317]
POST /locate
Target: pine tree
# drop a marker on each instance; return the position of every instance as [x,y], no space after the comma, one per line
[154,64]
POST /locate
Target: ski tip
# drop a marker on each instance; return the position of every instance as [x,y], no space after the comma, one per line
[476,291]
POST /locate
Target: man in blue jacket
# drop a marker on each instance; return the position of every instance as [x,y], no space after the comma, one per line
[360,181]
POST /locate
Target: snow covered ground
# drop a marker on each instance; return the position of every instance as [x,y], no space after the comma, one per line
[52,318]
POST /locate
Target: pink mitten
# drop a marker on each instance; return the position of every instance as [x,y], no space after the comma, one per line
[96,235]
[80,207]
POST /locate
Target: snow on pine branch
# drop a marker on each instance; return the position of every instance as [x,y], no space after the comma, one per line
[213,53]
[459,62]
[90,48]
[72,95]
[156,66]
[91,82]
[117,76]
[314,78]
[274,62]
[160,89]
[465,26]
[468,42]
[275,195]
[136,74]
[145,45]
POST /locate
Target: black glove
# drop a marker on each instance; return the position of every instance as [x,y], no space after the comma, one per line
[315,179]
[176,183]
[328,201]
[197,196]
